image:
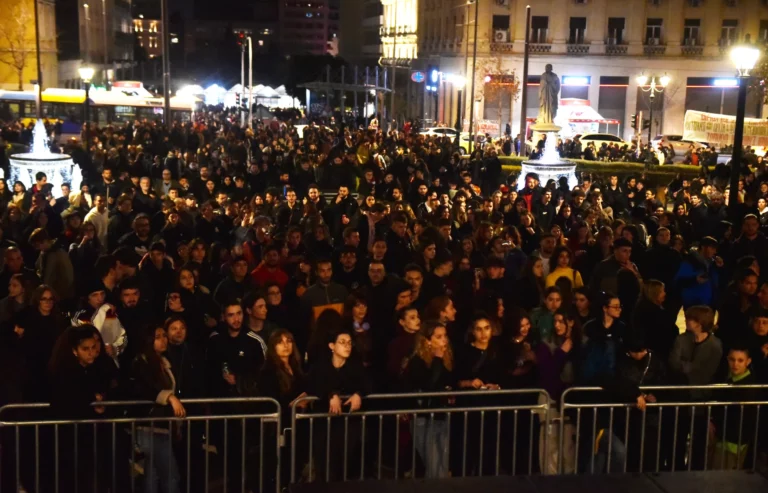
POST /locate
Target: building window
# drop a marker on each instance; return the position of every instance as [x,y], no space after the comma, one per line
[539,29]
[501,28]
[578,26]
[691,32]
[616,30]
[653,31]
[729,32]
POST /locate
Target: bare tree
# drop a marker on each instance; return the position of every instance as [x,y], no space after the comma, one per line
[17,45]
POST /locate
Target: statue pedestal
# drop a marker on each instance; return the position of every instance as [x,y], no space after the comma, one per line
[540,130]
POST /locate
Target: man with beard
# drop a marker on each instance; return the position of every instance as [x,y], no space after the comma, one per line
[140,238]
[235,354]
[135,316]
[236,284]
[157,276]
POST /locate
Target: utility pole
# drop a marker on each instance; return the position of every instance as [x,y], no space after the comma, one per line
[166,64]
[524,83]
[104,40]
[472,98]
[242,82]
[39,65]
[394,71]
[250,82]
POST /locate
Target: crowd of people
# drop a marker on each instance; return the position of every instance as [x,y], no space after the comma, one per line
[208,260]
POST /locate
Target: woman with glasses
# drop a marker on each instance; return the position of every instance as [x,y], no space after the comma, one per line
[340,382]
[35,331]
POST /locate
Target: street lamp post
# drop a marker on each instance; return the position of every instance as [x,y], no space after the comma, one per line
[472,98]
[656,85]
[86,74]
[744,57]
[458,81]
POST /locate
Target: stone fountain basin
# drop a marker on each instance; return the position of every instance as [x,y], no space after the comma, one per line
[30,158]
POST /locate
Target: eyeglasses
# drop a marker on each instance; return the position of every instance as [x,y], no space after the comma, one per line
[615,307]
[344,343]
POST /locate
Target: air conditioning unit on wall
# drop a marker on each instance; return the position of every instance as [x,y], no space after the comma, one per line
[500,36]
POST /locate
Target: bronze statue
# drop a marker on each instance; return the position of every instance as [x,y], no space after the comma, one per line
[549,90]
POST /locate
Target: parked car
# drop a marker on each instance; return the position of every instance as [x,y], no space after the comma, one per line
[439,132]
[599,139]
[678,144]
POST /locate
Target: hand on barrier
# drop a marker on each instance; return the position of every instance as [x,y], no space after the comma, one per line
[178,408]
[354,403]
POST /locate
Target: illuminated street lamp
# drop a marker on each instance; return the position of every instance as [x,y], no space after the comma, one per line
[86,74]
[656,85]
[744,57]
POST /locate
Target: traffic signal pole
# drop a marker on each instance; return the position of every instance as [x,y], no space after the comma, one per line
[242,83]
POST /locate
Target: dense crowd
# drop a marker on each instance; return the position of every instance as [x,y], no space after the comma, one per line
[205,260]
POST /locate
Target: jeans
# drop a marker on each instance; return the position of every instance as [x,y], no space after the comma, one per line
[617,457]
[160,470]
[431,440]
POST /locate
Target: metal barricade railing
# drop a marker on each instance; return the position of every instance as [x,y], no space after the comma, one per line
[502,412]
[667,433]
[212,448]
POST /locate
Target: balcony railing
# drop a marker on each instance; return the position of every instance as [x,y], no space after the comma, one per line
[692,50]
[654,49]
[614,50]
[502,47]
[540,47]
[577,49]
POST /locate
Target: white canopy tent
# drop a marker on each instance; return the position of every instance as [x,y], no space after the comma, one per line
[264,95]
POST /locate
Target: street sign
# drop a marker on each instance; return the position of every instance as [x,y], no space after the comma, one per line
[418,76]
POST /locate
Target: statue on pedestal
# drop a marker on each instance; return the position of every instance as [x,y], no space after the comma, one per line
[549,91]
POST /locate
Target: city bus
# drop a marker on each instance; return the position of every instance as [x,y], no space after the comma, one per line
[115,106]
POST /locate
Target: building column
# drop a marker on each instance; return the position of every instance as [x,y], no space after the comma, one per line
[594,91]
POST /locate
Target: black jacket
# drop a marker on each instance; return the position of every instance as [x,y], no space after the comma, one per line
[325,380]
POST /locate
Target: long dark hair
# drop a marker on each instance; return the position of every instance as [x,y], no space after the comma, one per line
[284,379]
[147,351]
[62,358]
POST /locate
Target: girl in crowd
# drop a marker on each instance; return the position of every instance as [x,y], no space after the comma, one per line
[340,382]
[155,382]
[563,258]
[530,286]
[356,321]
[19,290]
[431,370]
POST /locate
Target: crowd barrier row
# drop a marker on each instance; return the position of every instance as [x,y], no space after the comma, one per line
[253,444]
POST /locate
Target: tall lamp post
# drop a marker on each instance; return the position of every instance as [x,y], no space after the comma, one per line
[655,85]
[458,81]
[474,65]
[744,57]
[86,74]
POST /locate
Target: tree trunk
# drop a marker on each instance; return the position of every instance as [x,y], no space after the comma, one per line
[21,78]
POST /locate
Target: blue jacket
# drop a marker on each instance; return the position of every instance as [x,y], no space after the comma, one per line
[691,291]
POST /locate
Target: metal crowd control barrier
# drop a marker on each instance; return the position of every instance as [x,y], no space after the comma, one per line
[488,434]
[673,433]
[110,453]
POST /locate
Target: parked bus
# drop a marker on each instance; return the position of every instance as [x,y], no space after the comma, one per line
[115,106]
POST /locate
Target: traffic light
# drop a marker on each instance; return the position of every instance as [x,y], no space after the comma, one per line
[237,100]
[646,124]
[633,120]
[240,38]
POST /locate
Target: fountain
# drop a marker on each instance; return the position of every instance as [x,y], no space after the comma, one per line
[59,168]
[550,165]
